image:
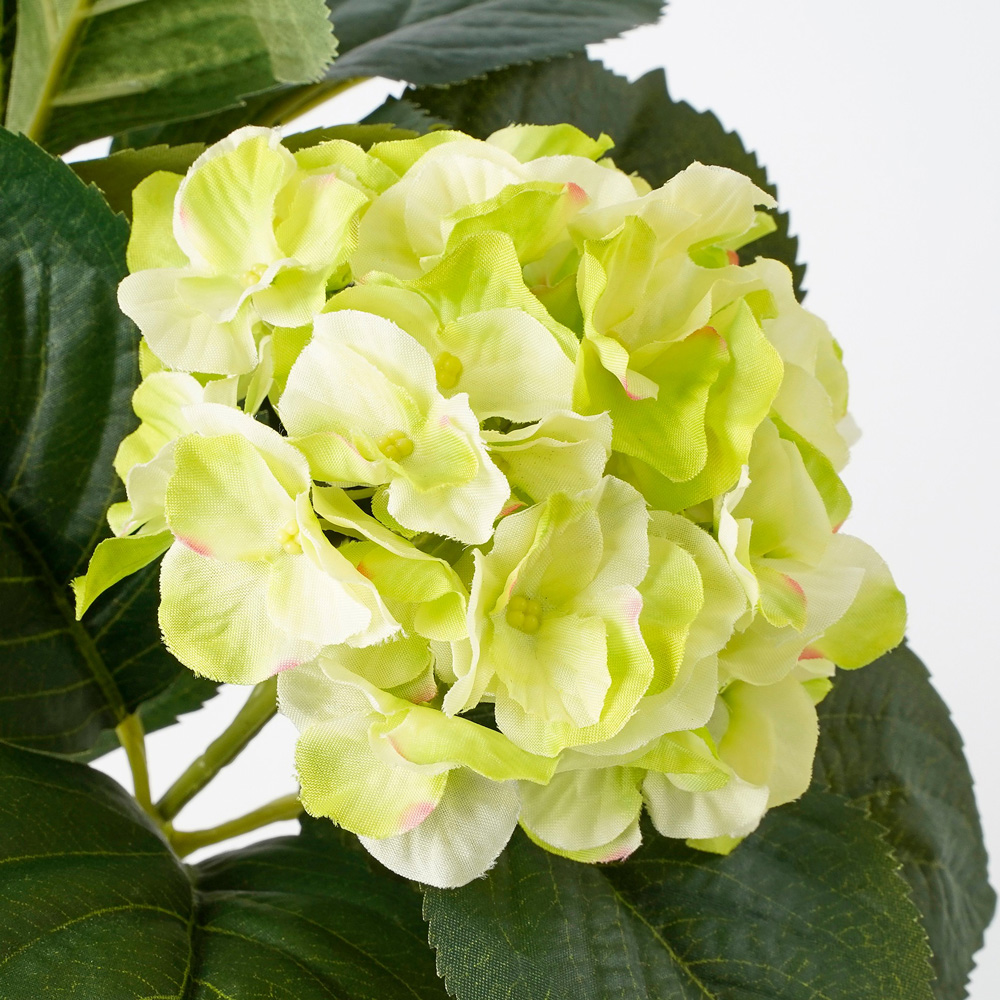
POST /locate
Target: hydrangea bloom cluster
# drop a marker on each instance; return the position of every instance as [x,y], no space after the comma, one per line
[522,475]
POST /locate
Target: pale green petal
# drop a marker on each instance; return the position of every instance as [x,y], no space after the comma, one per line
[285,463]
[688,757]
[425,737]
[558,675]
[771,737]
[401,154]
[460,840]
[389,664]
[536,216]
[360,374]
[292,298]
[723,200]
[582,810]
[357,588]
[410,224]
[214,619]
[804,405]
[224,211]
[307,698]
[308,603]
[223,499]
[320,229]
[672,597]
[446,447]
[218,296]
[788,514]
[180,334]
[158,402]
[479,274]
[113,560]
[875,621]
[511,366]
[146,487]
[563,452]
[343,778]
[151,240]
[286,345]
[763,653]
[630,667]
[625,844]
[349,162]
[425,592]
[528,142]
[334,459]
[734,537]
[601,183]
[732,811]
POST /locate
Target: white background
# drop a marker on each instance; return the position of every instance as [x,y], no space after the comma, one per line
[879,123]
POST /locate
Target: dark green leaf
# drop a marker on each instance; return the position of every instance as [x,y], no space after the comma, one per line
[810,906]
[441,41]
[68,358]
[655,136]
[427,41]
[889,743]
[85,69]
[94,904]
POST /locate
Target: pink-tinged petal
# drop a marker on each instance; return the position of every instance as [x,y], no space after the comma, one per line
[425,694]
[619,854]
[199,547]
[796,586]
[811,654]
[838,526]
[576,193]
[415,815]
[734,257]
[287,665]
[514,505]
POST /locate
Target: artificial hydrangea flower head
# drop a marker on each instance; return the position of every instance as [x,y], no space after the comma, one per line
[522,475]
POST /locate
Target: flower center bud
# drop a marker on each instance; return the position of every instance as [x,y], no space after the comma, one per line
[449,370]
[254,275]
[395,445]
[288,538]
[524,614]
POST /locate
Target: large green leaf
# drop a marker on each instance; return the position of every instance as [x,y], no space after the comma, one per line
[94,904]
[427,42]
[889,743]
[810,906]
[654,135]
[68,358]
[84,69]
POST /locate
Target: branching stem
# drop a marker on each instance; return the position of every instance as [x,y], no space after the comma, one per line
[250,720]
[133,740]
[287,807]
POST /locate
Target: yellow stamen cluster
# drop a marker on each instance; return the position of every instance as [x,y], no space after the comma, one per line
[254,275]
[395,445]
[449,370]
[288,538]
[524,613]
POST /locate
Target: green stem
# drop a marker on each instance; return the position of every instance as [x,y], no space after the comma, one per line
[63,51]
[251,719]
[287,807]
[133,740]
